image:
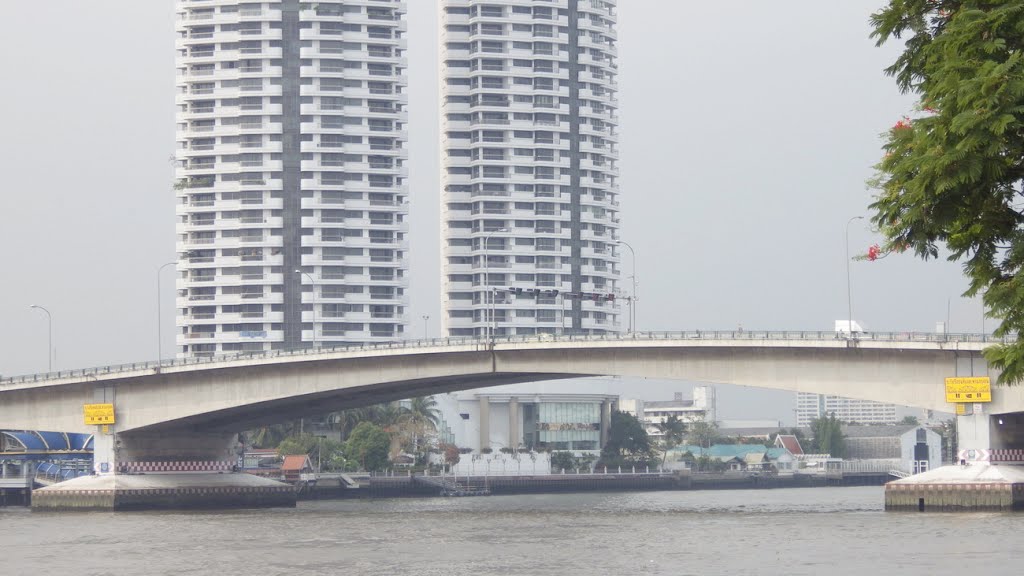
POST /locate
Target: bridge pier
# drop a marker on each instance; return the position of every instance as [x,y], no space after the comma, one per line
[175,470]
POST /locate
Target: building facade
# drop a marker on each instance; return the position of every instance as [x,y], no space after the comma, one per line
[812,406]
[291,175]
[530,199]
[514,421]
[701,407]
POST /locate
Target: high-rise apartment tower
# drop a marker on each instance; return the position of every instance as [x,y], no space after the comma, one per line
[291,177]
[529,152]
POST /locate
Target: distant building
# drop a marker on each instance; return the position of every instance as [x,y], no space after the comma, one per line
[576,422]
[653,412]
[812,406]
[790,443]
[918,448]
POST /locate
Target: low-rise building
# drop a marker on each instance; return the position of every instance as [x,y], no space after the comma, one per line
[702,407]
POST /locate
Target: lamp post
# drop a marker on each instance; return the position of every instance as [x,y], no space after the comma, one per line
[849,293]
[159,314]
[490,324]
[49,337]
[425,318]
[313,284]
[632,299]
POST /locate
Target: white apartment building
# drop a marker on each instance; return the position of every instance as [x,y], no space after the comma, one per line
[530,198]
[291,174]
[702,407]
[812,406]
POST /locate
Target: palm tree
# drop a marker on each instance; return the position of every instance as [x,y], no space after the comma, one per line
[424,410]
[673,430]
[421,417]
[268,436]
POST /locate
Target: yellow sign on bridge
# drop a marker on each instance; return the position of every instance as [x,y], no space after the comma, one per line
[98,414]
[972,389]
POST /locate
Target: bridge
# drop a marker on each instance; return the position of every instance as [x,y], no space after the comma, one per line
[192,409]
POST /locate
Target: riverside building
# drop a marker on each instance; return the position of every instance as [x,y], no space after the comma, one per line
[530,199]
[291,176]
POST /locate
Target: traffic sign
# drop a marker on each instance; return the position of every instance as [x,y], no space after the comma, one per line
[969,389]
[98,414]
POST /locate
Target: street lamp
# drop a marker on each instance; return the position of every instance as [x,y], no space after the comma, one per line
[849,296]
[159,314]
[425,318]
[49,336]
[313,284]
[632,299]
[490,324]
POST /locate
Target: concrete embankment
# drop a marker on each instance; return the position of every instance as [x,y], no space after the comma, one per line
[978,486]
[404,486]
[164,492]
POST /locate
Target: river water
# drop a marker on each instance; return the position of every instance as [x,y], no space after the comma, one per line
[783,531]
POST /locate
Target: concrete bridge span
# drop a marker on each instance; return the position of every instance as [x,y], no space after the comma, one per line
[235,393]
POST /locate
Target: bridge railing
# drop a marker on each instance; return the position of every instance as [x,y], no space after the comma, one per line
[696,335]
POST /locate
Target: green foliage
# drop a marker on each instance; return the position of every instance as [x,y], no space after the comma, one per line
[828,436]
[627,441]
[673,432]
[910,420]
[562,461]
[704,433]
[953,175]
[368,444]
[324,450]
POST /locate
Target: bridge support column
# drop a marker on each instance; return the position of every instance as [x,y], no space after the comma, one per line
[973,431]
[485,423]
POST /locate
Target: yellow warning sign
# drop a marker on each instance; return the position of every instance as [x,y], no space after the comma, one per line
[98,414]
[972,389]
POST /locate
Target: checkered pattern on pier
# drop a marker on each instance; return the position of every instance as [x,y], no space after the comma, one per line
[175,466]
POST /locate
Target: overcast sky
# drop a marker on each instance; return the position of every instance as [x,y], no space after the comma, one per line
[747,134]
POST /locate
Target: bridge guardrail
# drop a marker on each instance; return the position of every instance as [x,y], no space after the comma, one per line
[727,335]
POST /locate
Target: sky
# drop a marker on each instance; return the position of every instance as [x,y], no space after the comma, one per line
[748,131]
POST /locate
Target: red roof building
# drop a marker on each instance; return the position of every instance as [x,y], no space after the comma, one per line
[789,442]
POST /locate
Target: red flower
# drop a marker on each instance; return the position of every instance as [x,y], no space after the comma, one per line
[873,252]
[902,124]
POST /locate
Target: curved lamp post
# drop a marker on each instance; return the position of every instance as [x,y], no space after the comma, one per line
[491,326]
[49,336]
[633,298]
[159,314]
[849,292]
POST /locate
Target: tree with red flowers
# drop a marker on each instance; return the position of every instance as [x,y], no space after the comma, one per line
[952,176]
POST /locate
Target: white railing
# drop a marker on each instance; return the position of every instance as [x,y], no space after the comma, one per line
[719,336]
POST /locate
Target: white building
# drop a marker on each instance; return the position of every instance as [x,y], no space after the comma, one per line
[513,420]
[702,407]
[812,406]
[529,152]
[291,173]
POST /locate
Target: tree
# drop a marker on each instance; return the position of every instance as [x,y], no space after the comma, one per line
[953,175]
[562,461]
[910,420]
[704,433]
[269,436]
[368,444]
[673,431]
[828,436]
[627,440]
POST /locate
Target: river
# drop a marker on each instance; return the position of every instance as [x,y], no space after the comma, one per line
[783,531]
